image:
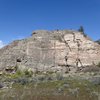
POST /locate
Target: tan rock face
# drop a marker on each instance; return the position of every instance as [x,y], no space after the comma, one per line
[50,50]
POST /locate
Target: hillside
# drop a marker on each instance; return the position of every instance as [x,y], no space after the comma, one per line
[61,50]
[50,65]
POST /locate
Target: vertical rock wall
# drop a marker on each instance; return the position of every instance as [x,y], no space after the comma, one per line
[51,49]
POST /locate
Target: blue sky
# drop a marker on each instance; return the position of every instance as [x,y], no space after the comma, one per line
[18,18]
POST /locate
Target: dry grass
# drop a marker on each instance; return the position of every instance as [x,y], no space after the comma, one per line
[67,89]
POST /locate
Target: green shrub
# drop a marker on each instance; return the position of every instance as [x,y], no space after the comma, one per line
[28,73]
[17,74]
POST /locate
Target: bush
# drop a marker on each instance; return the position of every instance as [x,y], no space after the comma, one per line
[96,80]
[28,73]
[98,65]
[59,76]
[1,85]
[17,74]
[41,78]
[22,81]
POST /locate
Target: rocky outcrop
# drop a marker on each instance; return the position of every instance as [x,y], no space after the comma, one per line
[60,50]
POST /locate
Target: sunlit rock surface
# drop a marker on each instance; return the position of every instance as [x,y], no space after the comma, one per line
[60,50]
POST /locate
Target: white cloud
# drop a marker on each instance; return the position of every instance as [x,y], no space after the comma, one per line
[1,44]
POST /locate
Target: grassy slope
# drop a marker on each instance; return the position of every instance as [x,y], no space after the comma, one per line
[66,89]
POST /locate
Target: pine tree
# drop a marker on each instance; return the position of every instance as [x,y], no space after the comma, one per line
[81,29]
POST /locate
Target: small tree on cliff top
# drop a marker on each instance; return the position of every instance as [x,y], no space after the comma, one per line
[81,29]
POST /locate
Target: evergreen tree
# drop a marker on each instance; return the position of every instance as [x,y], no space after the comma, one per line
[81,29]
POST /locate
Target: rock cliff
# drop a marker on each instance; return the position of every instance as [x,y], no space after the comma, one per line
[60,50]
